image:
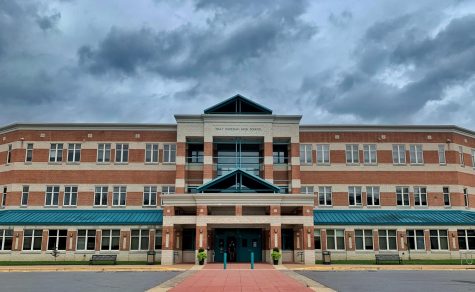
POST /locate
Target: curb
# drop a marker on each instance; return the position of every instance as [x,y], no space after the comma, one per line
[383,268]
[27,269]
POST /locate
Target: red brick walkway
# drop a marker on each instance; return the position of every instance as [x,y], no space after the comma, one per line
[239,277]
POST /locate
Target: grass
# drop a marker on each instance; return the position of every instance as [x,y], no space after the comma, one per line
[404,262]
[45,263]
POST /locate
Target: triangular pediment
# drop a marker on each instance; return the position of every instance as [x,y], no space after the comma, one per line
[238,181]
[238,104]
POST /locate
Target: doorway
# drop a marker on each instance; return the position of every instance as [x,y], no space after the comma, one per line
[238,244]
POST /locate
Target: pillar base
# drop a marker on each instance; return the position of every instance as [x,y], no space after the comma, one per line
[167,257]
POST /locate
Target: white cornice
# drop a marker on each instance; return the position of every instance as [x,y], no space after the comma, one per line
[220,199]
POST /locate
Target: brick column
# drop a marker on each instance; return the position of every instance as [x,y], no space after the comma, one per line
[44,241]
[168,238]
[124,242]
[201,237]
[180,167]
[207,161]
[427,239]
[98,240]
[151,240]
[323,238]
[268,162]
[295,168]
[298,238]
[18,241]
[308,241]
[71,240]
[401,240]
[350,240]
[168,211]
[453,240]
[375,240]
[238,210]
[275,237]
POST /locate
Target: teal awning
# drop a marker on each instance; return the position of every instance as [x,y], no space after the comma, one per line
[393,217]
[81,217]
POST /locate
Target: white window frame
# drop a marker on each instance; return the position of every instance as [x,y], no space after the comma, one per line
[3,236]
[415,237]
[441,154]
[52,195]
[88,233]
[446,193]
[473,158]
[158,234]
[151,193]
[416,154]
[465,236]
[56,237]
[168,190]
[323,154]
[466,202]
[9,154]
[388,237]
[306,154]
[121,153]
[325,192]
[119,196]
[4,197]
[352,153]
[365,238]
[307,190]
[110,237]
[438,236]
[74,152]
[25,194]
[420,196]
[404,195]
[56,153]
[29,153]
[141,237]
[461,156]
[317,233]
[370,154]
[151,153]
[335,238]
[356,193]
[70,196]
[169,153]
[371,193]
[36,235]
[104,153]
[102,192]
[399,154]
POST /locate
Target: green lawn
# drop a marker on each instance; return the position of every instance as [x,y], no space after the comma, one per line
[38,263]
[404,262]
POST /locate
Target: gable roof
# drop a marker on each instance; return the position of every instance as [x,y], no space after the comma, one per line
[238,104]
[266,186]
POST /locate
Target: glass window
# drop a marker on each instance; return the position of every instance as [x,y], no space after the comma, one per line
[57,239]
[280,153]
[4,197]
[465,197]
[100,196]
[317,238]
[415,239]
[446,193]
[189,237]
[32,239]
[441,152]
[335,239]
[387,239]
[74,152]
[110,239]
[122,153]
[420,196]
[473,158]
[325,196]
[439,240]
[466,239]
[150,196]
[402,196]
[287,239]
[307,190]
[364,239]
[372,196]
[52,196]
[354,196]
[9,153]
[416,154]
[24,195]
[151,153]
[305,153]
[461,156]
[370,154]
[323,154]
[56,153]
[352,154]
[104,153]
[139,239]
[169,153]
[29,152]
[168,190]
[70,196]
[119,196]
[6,239]
[399,154]
[86,239]
[158,239]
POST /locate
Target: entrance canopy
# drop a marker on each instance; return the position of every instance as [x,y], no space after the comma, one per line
[238,181]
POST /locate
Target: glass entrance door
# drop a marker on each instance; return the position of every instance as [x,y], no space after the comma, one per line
[238,244]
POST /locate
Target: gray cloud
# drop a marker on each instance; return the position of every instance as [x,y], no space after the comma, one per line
[49,21]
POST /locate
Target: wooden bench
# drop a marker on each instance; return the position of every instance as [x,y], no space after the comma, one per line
[388,257]
[103,258]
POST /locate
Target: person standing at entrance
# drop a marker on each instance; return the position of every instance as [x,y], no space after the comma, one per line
[232,251]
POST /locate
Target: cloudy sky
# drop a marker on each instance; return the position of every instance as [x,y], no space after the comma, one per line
[391,62]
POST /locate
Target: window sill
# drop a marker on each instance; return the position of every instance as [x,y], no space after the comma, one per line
[151,163]
[370,164]
[417,164]
[403,207]
[28,163]
[355,206]
[121,163]
[168,163]
[109,251]
[51,207]
[447,206]
[70,206]
[352,164]
[103,163]
[24,206]
[373,206]
[149,206]
[59,252]
[325,206]
[31,252]
[100,206]
[55,163]
[399,164]
[138,251]
[85,251]
[5,251]
[421,207]
[119,207]
[73,163]
[323,164]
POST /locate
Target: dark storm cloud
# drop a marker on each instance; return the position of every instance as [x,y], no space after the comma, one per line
[48,21]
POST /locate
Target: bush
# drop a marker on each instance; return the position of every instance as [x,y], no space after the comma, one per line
[276,255]
[201,256]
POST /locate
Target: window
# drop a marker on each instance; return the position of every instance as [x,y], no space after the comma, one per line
[280,153]
[323,154]
[195,152]
[57,239]
[119,196]
[122,153]
[151,153]
[307,190]
[420,196]
[29,152]
[473,158]
[287,239]
[352,154]
[335,239]
[169,153]
[446,193]
[325,196]
[442,160]
[283,189]
[370,154]
[399,154]
[52,196]
[387,239]
[100,196]
[372,196]
[6,239]
[168,190]
[402,196]
[4,197]
[364,239]
[70,196]
[74,153]
[158,239]
[56,153]
[104,153]
[439,240]
[24,195]
[86,239]
[110,239]
[465,197]
[415,154]
[461,158]
[9,153]
[150,196]
[415,239]
[466,239]
[354,196]
[317,239]
[32,239]
[139,239]
[305,153]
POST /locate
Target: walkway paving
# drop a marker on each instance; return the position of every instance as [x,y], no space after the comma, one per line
[239,277]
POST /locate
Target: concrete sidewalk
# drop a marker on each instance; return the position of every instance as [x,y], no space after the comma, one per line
[297,267]
[95,268]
